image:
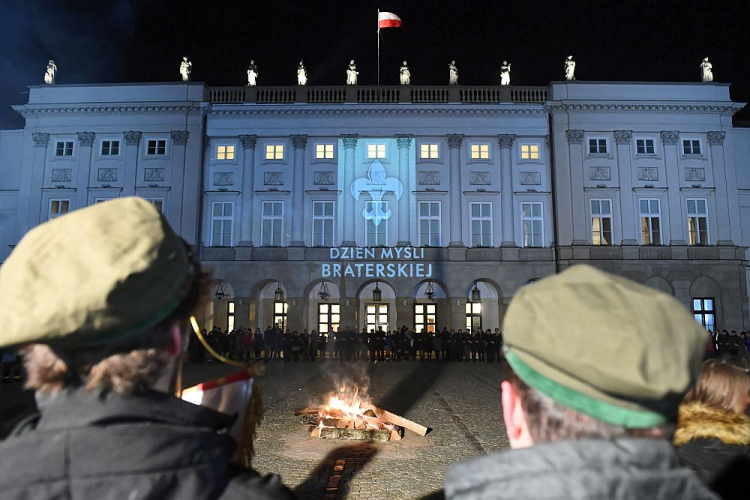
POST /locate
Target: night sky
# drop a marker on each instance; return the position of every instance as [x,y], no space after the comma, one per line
[113,41]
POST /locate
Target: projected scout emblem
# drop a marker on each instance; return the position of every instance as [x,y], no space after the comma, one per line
[377,184]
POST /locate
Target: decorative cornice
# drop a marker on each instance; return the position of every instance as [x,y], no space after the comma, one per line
[414,112]
[505,141]
[716,138]
[574,136]
[180,137]
[40,139]
[404,140]
[623,136]
[455,140]
[349,140]
[299,141]
[730,109]
[31,111]
[132,138]
[670,136]
[86,138]
[248,141]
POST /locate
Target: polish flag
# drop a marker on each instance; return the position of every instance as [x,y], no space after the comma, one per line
[388,20]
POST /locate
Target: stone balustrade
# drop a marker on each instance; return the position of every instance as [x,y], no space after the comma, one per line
[414,94]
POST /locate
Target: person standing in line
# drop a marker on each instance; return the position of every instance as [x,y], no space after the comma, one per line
[594,422]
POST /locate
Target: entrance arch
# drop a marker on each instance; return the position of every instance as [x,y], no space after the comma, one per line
[377,314]
[484,313]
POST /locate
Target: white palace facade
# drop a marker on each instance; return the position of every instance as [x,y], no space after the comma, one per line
[310,203]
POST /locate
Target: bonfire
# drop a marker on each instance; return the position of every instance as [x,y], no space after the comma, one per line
[347,414]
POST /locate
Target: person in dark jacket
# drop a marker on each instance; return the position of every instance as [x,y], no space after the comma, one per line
[594,422]
[713,430]
[119,291]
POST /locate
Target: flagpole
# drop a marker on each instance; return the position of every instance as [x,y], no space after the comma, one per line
[378,47]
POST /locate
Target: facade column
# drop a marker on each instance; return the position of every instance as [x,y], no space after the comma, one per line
[130,162]
[174,210]
[676,229]
[31,182]
[404,214]
[505,142]
[350,144]
[454,145]
[248,143]
[85,146]
[624,139]
[716,143]
[575,142]
[298,195]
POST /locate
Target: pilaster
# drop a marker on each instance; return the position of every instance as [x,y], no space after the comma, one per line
[456,232]
[350,144]
[623,139]
[299,142]
[130,162]
[248,143]
[670,139]
[505,142]
[404,214]
[83,181]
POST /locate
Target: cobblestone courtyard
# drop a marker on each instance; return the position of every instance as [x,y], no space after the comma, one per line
[460,402]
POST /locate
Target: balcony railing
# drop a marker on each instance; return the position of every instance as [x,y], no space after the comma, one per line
[410,94]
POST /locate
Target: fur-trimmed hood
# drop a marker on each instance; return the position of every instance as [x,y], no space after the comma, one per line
[698,421]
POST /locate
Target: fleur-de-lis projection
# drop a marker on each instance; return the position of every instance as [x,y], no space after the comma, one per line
[377,184]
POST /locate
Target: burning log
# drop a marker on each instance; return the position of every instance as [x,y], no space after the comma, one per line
[347,415]
[401,421]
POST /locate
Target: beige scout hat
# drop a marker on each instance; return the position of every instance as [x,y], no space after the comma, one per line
[604,346]
[95,275]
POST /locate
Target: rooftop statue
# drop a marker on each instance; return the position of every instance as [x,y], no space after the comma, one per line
[570,68]
[707,73]
[252,74]
[453,79]
[505,73]
[351,73]
[49,75]
[301,74]
[186,68]
[405,74]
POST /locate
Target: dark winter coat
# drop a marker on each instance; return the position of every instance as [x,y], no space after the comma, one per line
[569,470]
[87,446]
[716,444]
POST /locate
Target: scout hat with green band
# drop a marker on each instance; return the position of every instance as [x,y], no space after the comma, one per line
[604,346]
[93,276]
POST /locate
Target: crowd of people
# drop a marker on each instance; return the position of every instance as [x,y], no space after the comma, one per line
[347,344]
[724,344]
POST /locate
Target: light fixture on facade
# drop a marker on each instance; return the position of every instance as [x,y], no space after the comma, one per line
[278,295]
[222,291]
[476,295]
[323,292]
[430,292]
[376,294]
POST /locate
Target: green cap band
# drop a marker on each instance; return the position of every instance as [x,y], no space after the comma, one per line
[602,410]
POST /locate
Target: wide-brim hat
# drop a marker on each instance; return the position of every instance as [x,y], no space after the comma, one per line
[93,276]
[604,346]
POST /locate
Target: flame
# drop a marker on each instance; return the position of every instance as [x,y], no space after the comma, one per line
[350,404]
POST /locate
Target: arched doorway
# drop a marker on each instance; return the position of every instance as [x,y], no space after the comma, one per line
[429,306]
[377,306]
[273,305]
[482,305]
[324,311]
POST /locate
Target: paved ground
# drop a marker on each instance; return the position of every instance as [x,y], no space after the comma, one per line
[459,401]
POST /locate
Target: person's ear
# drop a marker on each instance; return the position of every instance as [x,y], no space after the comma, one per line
[516,425]
[180,339]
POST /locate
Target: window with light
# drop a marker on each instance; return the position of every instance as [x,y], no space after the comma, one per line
[428,151]
[480,151]
[650,221]
[529,151]
[375,151]
[58,208]
[697,212]
[274,151]
[601,222]
[225,152]
[324,151]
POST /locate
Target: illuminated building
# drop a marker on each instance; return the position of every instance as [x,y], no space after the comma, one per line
[468,193]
